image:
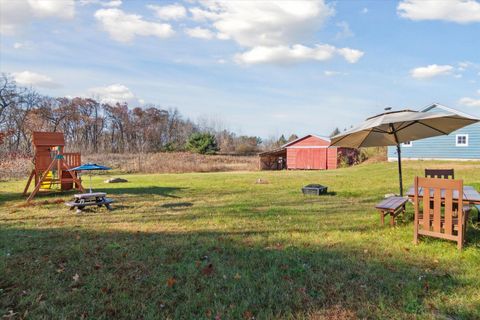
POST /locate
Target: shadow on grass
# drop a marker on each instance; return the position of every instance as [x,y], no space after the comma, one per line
[145,191]
[126,275]
[177,205]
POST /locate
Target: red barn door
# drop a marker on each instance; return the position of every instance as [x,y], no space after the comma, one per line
[307,158]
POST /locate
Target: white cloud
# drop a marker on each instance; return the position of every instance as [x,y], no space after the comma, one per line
[29,78]
[272,31]
[113,3]
[295,53]
[460,11]
[123,27]
[201,15]
[266,23]
[25,45]
[364,10]
[462,66]
[470,102]
[199,32]
[330,73]
[169,12]
[103,3]
[17,13]
[430,71]
[351,55]
[285,54]
[114,93]
[345,31]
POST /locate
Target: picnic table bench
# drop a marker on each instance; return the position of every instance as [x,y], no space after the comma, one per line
[82,200]
[393,206]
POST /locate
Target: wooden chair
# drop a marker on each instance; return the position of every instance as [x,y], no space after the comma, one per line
[440,173]
[449,223]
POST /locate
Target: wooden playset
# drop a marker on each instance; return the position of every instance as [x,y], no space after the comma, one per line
[52,165]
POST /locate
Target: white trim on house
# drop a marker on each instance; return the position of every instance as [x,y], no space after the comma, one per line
[461,144]
[445,108]
[407,145]
[394,159]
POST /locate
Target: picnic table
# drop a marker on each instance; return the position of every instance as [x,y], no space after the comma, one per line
[470,195]
[82,200]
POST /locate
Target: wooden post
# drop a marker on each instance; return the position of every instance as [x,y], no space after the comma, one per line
[39,184]
[460,213]
[59,156]
[415,221]
[32,174]
[75,180]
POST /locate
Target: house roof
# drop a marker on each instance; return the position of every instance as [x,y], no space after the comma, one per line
[447,109]
[308,135]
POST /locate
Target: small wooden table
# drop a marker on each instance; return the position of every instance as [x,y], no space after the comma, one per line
[392,206]
[80,201]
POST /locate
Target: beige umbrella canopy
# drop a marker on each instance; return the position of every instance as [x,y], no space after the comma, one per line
[395,127]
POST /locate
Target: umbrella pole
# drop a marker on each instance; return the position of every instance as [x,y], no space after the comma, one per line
[399,155]
[400,169]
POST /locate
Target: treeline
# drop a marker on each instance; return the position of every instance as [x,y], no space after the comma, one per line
[94,127]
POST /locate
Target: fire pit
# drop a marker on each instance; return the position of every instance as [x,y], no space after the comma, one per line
[314,189]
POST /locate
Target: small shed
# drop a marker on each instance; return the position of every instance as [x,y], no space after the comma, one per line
[311,152]
[274,159]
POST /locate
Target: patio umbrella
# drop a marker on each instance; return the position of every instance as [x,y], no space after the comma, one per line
[89,167]
[395,127]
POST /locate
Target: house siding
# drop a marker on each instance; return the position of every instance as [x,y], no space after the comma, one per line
[442,147]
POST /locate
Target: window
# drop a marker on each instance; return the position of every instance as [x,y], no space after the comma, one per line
[461,140]
[407,144]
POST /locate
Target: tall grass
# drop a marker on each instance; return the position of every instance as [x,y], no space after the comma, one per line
[175,162]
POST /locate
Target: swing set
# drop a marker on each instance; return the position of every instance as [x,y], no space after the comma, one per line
[51,171]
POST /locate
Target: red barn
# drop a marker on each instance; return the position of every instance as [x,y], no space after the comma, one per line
[311,152]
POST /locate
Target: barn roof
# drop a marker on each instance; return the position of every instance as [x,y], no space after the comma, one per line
[304,137]
[276,152]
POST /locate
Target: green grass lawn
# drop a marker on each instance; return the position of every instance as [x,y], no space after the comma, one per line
[217,245]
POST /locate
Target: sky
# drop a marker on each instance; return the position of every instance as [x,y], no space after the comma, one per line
[260,68]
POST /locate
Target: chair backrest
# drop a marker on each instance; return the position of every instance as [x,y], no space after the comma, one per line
[440,173]
[431,220]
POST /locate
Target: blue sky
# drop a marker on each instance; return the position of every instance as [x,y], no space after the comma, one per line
[261,68]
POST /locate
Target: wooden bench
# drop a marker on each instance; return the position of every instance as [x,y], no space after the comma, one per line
[392,206]
[80,201]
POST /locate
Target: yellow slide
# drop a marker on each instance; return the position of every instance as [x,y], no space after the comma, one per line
[47,184]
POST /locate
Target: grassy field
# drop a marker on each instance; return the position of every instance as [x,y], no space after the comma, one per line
[220,246]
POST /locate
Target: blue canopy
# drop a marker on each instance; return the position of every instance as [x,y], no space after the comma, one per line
[90,166]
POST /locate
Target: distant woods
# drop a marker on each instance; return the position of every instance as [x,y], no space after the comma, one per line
[91,126]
